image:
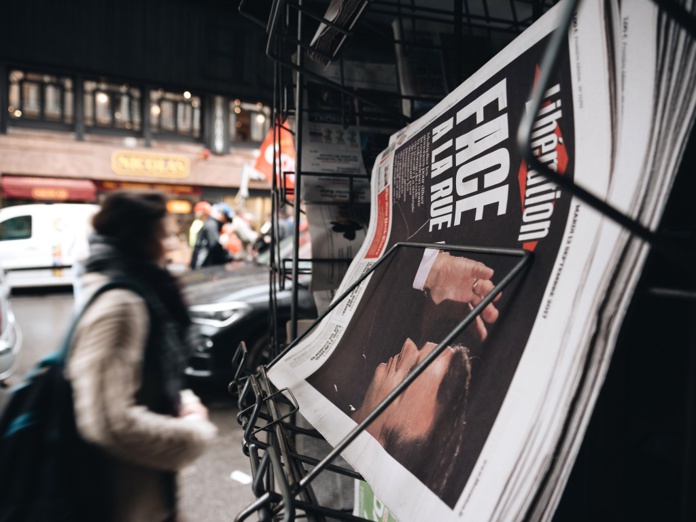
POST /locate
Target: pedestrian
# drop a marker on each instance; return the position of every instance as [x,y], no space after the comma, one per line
[127,364]
[242,221]
[201,211]
[209,250]
[230,240]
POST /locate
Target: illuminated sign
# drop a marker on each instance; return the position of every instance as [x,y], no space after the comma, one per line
[49,193]
[150,165]
[178,206]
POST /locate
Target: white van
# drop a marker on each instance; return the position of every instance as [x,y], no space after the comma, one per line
[10,334]
[39,243]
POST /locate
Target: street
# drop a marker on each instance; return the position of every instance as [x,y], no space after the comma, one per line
[208,493]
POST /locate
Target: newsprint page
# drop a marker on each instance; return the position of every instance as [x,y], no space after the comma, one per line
[490,429]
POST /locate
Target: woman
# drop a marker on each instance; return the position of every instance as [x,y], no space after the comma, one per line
[127,361]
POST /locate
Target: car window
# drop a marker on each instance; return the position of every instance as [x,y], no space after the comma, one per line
[15,228]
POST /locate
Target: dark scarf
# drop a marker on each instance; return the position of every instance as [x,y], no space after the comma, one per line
[167,351]
[109,258]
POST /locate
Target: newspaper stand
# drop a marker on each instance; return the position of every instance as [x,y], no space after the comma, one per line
[282,476]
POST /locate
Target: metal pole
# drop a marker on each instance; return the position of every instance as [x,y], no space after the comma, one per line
[299,114]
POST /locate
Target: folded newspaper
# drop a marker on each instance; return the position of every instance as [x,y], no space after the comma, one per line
[490,430]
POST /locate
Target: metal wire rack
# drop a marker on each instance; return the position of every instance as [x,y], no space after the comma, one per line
[282,475]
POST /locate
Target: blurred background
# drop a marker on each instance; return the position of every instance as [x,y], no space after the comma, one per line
[180,95]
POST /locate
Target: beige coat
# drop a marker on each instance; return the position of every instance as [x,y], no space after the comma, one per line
[105,371]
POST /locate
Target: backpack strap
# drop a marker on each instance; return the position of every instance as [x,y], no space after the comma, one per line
[59,357]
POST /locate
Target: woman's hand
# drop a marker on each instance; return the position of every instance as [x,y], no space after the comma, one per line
[462,280]
[191,406]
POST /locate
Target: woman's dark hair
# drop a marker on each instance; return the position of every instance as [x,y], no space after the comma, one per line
[432,459]
[133,218]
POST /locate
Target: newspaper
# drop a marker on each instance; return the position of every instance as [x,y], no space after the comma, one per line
[490,430]
[342,231]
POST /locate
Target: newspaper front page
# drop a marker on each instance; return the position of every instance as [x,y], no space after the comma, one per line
[480,432]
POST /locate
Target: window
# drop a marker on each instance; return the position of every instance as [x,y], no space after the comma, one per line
[175,114]
[40,98]
[15,228]
[249,121]
[112,106]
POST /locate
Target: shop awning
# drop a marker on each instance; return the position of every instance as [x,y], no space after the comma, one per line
[47,189]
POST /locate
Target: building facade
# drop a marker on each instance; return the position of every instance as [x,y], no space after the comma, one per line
[168,94]
[70,138]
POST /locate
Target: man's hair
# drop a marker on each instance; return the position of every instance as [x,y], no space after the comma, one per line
[433,465]
[133,217]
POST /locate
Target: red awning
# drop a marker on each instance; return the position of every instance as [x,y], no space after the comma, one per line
[48,189]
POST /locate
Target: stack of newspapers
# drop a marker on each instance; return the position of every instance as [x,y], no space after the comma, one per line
[491,428]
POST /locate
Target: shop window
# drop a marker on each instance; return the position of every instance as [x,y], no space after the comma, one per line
[175,114]
[42,98]
[15,228]
[112,106]
[249,121]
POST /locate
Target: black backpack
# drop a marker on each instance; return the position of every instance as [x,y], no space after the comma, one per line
[47,471]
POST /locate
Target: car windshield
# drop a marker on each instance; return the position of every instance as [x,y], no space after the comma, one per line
[285,247]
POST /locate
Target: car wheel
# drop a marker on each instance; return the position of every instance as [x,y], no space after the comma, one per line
[260,351]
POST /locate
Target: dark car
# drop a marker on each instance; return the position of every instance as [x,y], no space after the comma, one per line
[230,304]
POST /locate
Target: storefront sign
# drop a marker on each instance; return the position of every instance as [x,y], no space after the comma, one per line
[179,206]
[50,193]
[128,163]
